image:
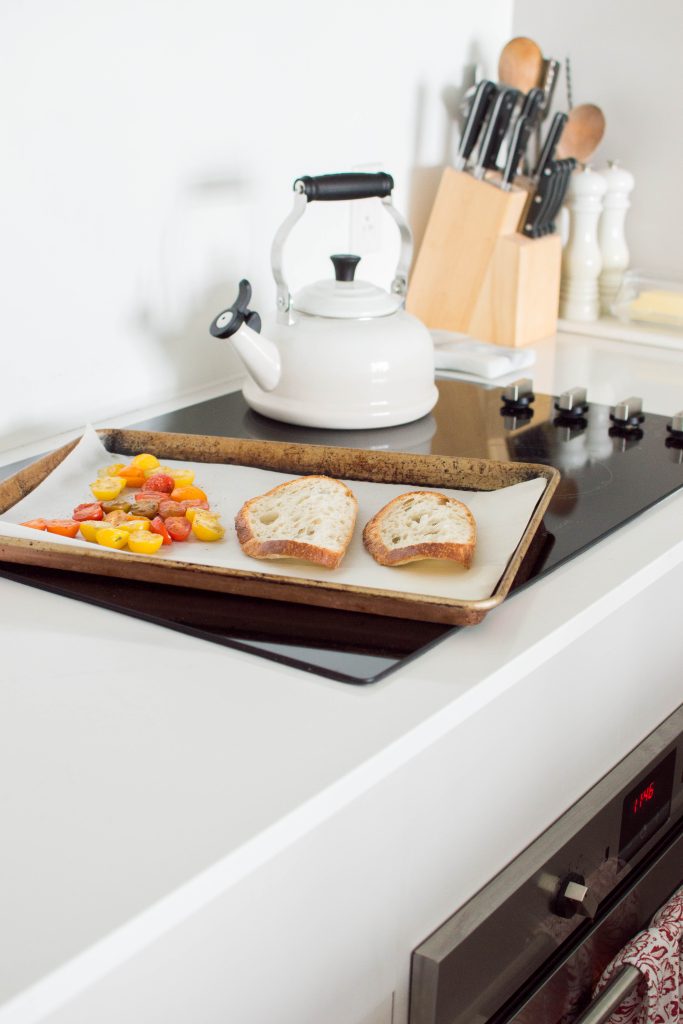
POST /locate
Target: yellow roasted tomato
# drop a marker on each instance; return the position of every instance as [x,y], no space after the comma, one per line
[106,488]
[112,537]
[142,542]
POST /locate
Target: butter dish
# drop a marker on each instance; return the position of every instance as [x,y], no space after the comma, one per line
[460,353]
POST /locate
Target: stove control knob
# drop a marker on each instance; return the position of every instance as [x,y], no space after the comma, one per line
[628,414]
[572,403]
[520,392]
[517,398]
[675,428]
[574,897]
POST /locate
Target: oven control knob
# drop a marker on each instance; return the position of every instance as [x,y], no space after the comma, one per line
[572,403]
[574,897]
[675,428]
[517,399]
[628,414]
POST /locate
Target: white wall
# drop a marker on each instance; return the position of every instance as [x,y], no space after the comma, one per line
[626,57]
[148,152]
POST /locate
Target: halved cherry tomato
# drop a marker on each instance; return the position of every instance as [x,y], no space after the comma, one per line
[170,508]
[158,526]
[110,537]
[142,542]
[156,496]
[178,527]
[182,477]
[117,517]
[112,470]
[134,525]
[145,461]
[111,506]
[62,527]
[89,528]
[88,510]
[206,526]
[35,524]
[194,503]
[147,508]
[160,482]
[201,506]
[107,487]
[133,475]
[187,494]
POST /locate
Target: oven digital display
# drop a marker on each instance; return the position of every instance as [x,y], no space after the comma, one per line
[646,807]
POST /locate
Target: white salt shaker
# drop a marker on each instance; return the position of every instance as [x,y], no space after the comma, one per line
[581,258]
[611,236]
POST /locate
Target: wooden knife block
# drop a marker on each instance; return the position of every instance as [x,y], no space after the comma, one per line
[476,274]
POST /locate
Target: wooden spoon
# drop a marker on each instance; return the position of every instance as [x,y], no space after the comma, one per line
[520,64]
[582,133]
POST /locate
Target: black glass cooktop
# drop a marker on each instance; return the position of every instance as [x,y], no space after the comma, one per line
[609,475]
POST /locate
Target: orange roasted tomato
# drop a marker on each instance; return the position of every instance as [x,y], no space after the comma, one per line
[62,527]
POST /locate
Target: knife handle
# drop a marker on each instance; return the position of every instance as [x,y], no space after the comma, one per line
[476,115]
[531,107]
[518,142]
[552,138]
[500,127]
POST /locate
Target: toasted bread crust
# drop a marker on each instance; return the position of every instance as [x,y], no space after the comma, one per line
[372,537]
[289,548]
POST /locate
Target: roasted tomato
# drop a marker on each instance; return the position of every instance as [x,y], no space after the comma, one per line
[206,526]
[35,524]
[142,542]
[110,537]
[114,504]
[160,483]
[107,487]
[117,517]
[158,526]
[88,510]
[145,461]
[63,527]
[147,508]
[133,475]
[187,494]
[170,508]
[178,527]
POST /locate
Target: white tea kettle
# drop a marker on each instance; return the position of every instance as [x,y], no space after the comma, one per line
[341,353]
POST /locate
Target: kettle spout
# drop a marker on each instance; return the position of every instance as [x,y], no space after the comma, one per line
[260,356]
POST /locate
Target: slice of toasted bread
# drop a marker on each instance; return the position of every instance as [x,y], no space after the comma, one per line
[421,524]
[311,518]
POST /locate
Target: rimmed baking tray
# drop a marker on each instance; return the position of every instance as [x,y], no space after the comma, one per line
[347,463]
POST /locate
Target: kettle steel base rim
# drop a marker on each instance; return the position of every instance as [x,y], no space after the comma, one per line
[309,414]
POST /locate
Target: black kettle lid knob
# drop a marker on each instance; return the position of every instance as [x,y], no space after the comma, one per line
[344,266]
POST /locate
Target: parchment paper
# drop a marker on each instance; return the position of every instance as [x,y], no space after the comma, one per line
[501,518]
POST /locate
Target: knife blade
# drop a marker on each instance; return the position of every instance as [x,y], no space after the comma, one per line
[499,119]
[517,147]
[531,107]
[552,138]
[481,102]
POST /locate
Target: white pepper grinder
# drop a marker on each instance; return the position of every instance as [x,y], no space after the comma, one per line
[581,258]
[611,235]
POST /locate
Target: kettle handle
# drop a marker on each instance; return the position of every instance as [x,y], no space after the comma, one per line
[351,185]
[328,188]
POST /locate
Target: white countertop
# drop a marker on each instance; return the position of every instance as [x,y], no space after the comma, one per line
[145,773]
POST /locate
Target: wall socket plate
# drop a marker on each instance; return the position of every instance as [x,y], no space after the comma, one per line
[365,219]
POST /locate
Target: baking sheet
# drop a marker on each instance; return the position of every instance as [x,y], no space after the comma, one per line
[501,515]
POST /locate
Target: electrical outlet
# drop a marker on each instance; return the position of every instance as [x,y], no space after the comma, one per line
[365,228]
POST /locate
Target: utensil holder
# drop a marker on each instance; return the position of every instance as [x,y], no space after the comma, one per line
[475,274]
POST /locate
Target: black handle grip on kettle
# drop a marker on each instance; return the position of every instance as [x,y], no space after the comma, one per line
[349,185]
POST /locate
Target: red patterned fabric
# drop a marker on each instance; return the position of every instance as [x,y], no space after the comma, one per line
[657,953]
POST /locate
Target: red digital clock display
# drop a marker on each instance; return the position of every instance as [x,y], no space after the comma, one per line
[646,807]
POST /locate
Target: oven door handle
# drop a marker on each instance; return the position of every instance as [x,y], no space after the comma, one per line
[604,1005]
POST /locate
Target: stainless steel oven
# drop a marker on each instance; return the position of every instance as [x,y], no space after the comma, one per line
[529,947]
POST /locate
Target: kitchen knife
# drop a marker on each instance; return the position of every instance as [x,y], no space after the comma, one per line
[493,134]
[539,201]
[481,102]
[566,167]
[531,107]
[516,149]
[552,138]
